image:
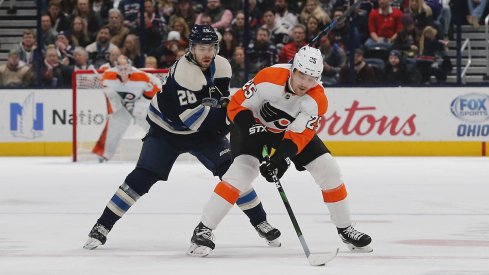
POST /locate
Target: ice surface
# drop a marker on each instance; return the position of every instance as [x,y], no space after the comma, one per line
[425,215]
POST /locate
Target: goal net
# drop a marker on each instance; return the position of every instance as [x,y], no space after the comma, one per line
[90,116]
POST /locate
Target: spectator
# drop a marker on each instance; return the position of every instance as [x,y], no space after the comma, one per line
[384,23]
[15,73]
[283,16]
[81,60]
[166,54]
[48,33]
[79,33]
[99,50]
[205,19]
[64,48]
[238,27]
[92,20]
[130,10]
[421,13]
[155,27]
[27,47]
[261,52]
[407,40]
[150,62]
[118,31]
[395,72]
[476,10]
[254,14]
[113,55]
[312,8]
[327,6]
[101,9]
[238,78]
[184,10]
[313,27]
[334,59]
[445,18]
[53,73]
[279,35]
[181,53]
[59,19]
[289,50]
[166,8]
[227,44]
[433,59]
[341,33]
[132,50]
[221,18]
[364,74]
[180,25]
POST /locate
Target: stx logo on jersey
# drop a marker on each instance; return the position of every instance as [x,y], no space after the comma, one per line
[258,128]
[279,118]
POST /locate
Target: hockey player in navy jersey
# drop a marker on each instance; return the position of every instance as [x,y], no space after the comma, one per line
[187,115]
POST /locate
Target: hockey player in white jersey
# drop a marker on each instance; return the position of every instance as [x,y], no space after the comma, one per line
[128,92]
[187,116]
[280,108]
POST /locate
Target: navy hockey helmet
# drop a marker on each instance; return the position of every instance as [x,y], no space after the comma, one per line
[203,34]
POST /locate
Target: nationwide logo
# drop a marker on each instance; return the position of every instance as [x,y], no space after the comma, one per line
[471,107]
[26,118]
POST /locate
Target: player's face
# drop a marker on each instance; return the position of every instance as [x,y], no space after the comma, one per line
[203,54]
[301,83]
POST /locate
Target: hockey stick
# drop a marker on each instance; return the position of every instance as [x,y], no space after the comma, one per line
[314,259]
[335,21]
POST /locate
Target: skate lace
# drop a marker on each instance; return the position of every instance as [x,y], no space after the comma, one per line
[353,233]
[206,233]
[264,227]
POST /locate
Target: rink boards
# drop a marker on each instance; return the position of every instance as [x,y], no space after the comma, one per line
[360,121]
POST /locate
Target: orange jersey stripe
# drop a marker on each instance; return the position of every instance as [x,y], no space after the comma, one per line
[234,106]
[317,93]
[300,139]
[227,192]
[335,195]
[274,75]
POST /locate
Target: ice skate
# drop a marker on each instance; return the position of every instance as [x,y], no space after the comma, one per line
[355,240]
[269,233]
[97,237]
[202,241]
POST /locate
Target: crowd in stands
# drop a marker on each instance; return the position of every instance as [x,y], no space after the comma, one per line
[386,42]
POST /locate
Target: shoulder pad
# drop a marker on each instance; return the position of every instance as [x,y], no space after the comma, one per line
[189,75]
[223,68]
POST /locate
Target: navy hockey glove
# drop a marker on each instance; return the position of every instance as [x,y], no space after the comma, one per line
[276,166]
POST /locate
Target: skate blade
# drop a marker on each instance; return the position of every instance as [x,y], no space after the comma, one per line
[92,243]
[198,250]
[321,259]
[274,243]
[354,249]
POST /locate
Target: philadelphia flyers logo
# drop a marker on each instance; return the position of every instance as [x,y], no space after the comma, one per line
[279,118]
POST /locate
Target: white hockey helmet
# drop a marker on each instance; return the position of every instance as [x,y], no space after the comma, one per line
[309,61]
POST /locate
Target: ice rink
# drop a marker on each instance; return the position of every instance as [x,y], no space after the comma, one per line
[426,215]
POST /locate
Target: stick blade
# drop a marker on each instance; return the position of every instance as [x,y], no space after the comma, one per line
[322,258]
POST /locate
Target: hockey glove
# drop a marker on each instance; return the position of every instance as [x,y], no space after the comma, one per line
[221,103]
[276,166]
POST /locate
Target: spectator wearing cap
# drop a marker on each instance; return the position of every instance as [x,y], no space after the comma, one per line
[92,19]
[99,50]
[384,24]
[299,39]
[79,32]
[27,47]
[363,73]
[166,54]
[15,73]
[312,8]
[407,40]
[59,19]
[118,31]
[261,52]
[64,48]
[227,44]
[48,33]
[221,18]
[334,59]
[395,72]
[184,9]
[80,56]
[283,16]
[279,35]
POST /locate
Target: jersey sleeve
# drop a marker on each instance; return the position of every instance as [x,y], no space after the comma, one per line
[301,131]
